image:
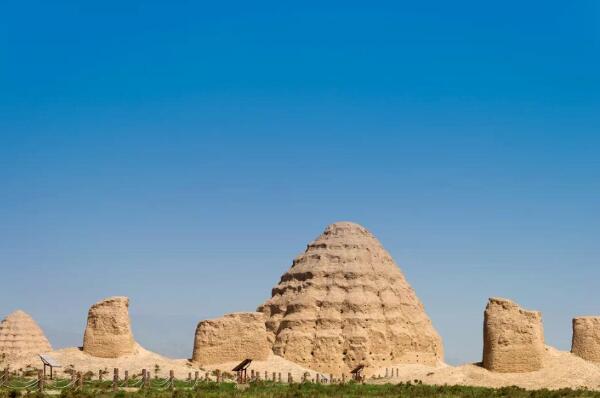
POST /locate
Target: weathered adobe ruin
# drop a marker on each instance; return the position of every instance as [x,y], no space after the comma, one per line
[108,331]
[233,337]
[586,338]
[513,338]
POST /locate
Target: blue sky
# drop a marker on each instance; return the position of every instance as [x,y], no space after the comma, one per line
[182,154]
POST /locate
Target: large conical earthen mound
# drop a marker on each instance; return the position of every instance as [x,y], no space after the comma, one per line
[20,334]
[344,302]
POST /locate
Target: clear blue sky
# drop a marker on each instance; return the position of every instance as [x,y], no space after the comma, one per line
[182,153]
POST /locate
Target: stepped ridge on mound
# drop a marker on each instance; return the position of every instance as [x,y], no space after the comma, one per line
[344,302]
[108,331]
[20,334]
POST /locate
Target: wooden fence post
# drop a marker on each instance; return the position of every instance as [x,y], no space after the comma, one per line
[100,375]
[172,380]
[251,374]
[144,378]
[279,377]
[79,381]
[207,377]
[41,380]
[126,377]
[189,376]
[343,378]
[318,378]
[196,375]
[290,379]
[115,384]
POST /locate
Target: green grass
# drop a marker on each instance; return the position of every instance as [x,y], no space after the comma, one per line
[272,390]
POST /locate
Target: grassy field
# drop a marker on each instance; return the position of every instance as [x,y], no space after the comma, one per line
[266,389]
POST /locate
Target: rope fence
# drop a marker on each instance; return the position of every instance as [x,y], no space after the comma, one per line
[79,380]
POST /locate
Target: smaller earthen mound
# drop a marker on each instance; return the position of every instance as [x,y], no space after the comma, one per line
[233,337]
[108,331]
[586,338]
[20,334]
[513,338]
